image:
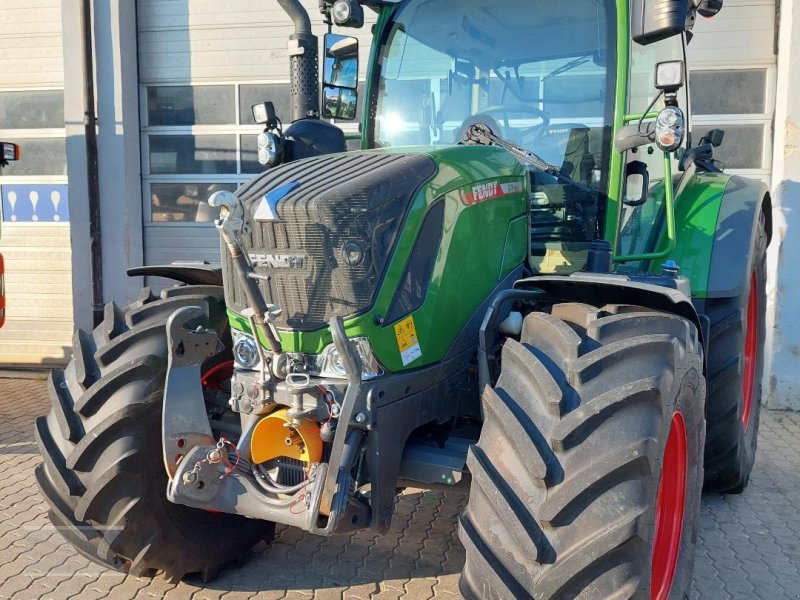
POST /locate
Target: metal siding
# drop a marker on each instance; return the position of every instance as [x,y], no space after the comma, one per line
[36,249]
[165,244]
[194,41]
[31,52]
[744,32]
[38,329]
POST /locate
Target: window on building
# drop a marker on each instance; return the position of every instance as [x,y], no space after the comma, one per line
[198,139]
[738,101]
[34,119]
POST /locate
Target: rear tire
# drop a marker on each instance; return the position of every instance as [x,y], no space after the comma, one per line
[566,474]
[103,473]
[735,375]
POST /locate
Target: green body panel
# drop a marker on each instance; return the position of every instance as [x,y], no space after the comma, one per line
[697,207]
[481,245]
[698,199]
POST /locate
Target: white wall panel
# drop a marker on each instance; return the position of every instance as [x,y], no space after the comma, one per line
[38,328]
[31,53]
[744,32]
[197,40]
[165,244]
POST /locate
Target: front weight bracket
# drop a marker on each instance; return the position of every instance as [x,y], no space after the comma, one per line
[184,422]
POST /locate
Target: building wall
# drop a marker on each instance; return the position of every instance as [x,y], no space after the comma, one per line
[200,71]
[34,211]
[783,334]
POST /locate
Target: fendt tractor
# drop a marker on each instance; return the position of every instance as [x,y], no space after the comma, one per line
[531,285]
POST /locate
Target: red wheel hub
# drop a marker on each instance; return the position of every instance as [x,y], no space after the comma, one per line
[750,353]
[670,507]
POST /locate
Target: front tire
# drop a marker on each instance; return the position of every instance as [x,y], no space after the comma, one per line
[103,473]
[587,476]
[735,373]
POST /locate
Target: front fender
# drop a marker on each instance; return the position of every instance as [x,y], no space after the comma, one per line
[718,217]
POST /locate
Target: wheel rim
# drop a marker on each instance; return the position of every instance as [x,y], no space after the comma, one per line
[750,353]
[669,510]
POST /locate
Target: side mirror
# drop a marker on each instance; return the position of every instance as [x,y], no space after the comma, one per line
[339,103]
[637,183]
[341,61]
[655,20]
[8,153]
[340,77]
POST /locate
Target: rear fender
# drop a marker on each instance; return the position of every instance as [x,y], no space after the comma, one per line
[743,204]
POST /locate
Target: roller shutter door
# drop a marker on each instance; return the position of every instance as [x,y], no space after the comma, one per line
[733,64]
[201,68]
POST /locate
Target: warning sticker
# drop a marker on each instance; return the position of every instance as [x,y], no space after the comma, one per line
[407,342]
[489,191]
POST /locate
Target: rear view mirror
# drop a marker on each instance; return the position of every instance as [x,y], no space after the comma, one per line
[637,183]
[8,153]
[339,103]
[341,61]
[655,20]
[340,77]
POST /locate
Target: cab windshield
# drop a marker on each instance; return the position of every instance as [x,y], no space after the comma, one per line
[540,73]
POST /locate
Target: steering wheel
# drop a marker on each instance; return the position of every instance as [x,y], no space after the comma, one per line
[502,111]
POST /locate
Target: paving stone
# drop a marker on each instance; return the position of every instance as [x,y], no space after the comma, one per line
[747,546]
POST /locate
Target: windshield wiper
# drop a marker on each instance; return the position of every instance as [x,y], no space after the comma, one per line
[481,134]
[567,67]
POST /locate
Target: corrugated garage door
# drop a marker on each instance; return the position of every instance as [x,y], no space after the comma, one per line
[34,228]
[201,68]
[733,64]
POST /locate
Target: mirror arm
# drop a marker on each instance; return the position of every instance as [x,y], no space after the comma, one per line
[634,136]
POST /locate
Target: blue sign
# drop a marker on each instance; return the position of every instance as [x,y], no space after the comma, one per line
[35,203]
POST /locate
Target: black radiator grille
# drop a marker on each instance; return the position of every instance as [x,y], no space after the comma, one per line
[342,207]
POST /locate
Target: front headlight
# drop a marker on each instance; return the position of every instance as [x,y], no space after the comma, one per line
[330,363]
[670,128]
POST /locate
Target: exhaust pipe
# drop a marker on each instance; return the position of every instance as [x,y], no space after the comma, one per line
[303,63]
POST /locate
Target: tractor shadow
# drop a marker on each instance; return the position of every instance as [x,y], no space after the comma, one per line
[421,543]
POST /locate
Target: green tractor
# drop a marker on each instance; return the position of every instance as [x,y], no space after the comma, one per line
[530,285]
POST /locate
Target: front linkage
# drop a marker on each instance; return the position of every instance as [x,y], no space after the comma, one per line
[202,476]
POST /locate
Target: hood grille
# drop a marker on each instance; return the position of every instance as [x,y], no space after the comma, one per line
[326,251]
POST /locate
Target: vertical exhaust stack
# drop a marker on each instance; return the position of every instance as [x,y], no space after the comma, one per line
[303,63]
